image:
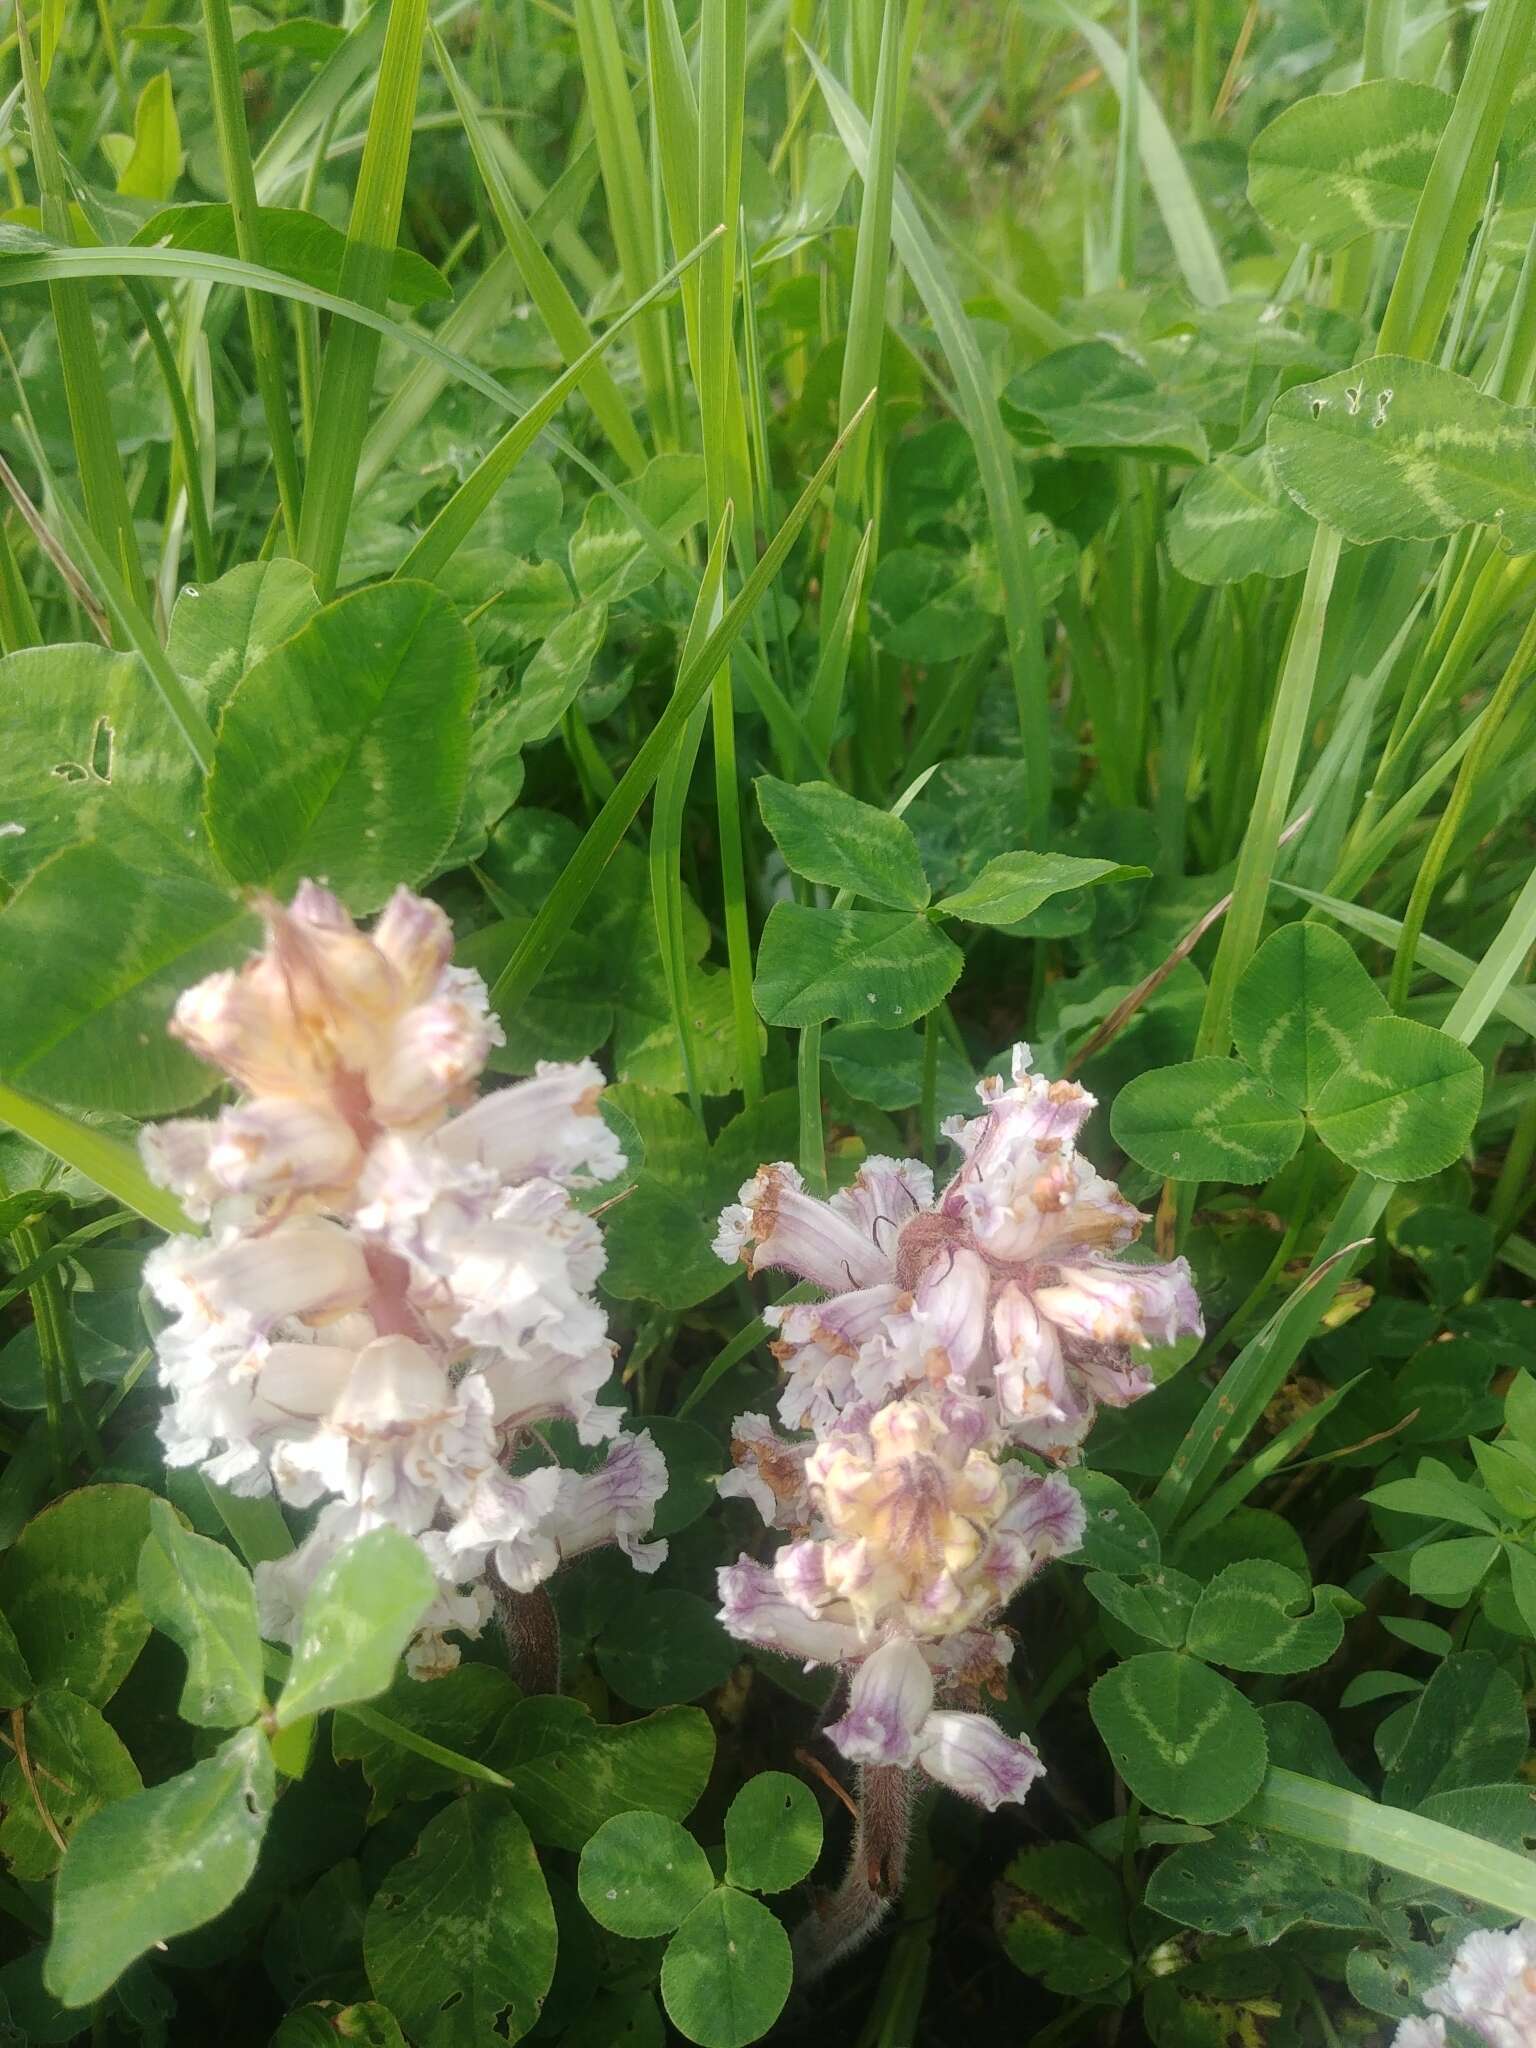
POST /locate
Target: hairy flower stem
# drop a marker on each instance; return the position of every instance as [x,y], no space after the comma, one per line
[531,1630]
[840,1921]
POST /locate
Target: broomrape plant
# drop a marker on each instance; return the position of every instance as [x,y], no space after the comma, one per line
[644,648]
[395,1286]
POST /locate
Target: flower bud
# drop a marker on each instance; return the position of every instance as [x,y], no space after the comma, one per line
[415,937]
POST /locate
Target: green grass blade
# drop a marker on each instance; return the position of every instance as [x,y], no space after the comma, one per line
[1451,818]
[240,183]
[676,115]
[482,307]
[1194,246]
[106,1160]
[285,156]
[597,848]
[128,616]
[556,308]
[18,620]
[826,698]
[627,184]
[1331,1818]
[459,517]
[181,263]
[1457,185]
[667,814]
[865,337]
[346,376]
[1256,861]
[722,416]
[994,455]
[1125,203]
[741,1346]
[1231,1494]
[85,386]
[722,97]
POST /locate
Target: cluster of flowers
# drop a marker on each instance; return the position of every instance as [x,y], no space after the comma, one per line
[395,1284]
[1491,1991]
[949,1330]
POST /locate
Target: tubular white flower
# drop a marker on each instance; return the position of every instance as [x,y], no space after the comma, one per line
[535,1383]
[971,1755]
[398,1284]
[307,1268]
[774,1222]
[548,1127]
[889,1701]
[614,1504]
[754,1608]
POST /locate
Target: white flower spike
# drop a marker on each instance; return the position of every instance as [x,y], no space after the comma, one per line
[396,1284]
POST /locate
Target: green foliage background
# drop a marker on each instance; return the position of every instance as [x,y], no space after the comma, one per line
[832,536]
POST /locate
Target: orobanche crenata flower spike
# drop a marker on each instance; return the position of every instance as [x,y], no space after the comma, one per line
[1490,1992]
[396,1282]
[950,1330]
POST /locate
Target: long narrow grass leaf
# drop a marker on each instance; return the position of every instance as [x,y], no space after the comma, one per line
[1194,246]
[557,309]
[134,626]
[459,517]
[580,878]
[979,410]
[240,183]
[1329,1817]
[106,1160]
[85,385]
[346,377]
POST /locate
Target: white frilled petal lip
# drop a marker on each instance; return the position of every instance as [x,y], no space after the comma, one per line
[971,1755]
[889,1700]
[1420,2034]
[755,1608]
[1491,1988]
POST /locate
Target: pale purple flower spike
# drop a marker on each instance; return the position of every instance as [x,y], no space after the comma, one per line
[952,1326]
